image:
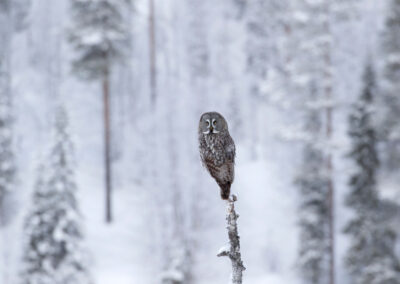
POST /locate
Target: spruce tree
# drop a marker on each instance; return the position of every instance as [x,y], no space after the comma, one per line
[313,183]
[53,251]
[391,86]
[7,165]
[371,257]
[311,65]
[310,62]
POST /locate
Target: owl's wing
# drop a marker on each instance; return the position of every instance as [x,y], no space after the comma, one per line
[230,150]
[202,145]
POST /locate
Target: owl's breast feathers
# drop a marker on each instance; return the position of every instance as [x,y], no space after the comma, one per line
[218,156]
[215,149]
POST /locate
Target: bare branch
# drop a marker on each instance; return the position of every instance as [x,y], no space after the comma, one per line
[233,251]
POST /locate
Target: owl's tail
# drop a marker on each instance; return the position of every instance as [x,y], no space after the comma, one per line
[225,190]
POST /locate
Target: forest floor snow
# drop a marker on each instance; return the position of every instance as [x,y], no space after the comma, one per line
[267,224]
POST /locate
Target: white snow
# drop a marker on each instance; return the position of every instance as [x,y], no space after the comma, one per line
[223,250]
[131,249]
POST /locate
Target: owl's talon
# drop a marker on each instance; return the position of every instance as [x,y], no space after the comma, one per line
[234,198]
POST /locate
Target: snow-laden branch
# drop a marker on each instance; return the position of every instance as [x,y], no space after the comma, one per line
[233,250]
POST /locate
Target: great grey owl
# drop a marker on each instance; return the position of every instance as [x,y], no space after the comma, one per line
[217,150]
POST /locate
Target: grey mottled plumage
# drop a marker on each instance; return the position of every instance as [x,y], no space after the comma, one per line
[217,150]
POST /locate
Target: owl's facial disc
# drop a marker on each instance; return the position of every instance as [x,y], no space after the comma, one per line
[214,124]
[211,126]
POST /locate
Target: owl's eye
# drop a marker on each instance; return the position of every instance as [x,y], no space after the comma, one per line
[214,122]
[207,123]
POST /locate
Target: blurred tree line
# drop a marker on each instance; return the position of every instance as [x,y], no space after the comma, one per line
[262,55]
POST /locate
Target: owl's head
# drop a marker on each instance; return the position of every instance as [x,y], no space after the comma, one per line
[212,123]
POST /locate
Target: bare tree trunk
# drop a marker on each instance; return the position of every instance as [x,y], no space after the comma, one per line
[107,144]
[331,222]
[233,252]
[331,203]
[5,99]
[329,164]
[152,48]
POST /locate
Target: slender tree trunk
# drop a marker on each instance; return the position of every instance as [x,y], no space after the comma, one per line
[6,101]
[331,220]
[152,48]
[233,251]
[331,192]
[107,145]
[329,163]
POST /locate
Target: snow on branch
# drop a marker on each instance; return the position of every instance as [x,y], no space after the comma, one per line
[233,250]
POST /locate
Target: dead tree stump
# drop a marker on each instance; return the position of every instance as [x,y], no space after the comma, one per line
[233,250]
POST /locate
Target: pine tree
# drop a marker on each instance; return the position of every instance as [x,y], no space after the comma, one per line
[53,251]
[4,102]
[12,19]
[311,37]
[314,207]
[391,85]
[98,36]
[7,161]
[7,165]
[371,257]
[311,69]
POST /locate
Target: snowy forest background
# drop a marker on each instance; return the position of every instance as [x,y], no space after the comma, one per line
[98,94]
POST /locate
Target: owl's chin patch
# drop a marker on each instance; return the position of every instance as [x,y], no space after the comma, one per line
[213,132]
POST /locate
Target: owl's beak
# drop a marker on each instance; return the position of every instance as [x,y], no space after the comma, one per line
[211,129]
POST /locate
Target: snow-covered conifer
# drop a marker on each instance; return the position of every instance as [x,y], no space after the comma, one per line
[311,68]
[391,85]
[98,35]
[371,257]
[7,165]
[53,252]
[314,207]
